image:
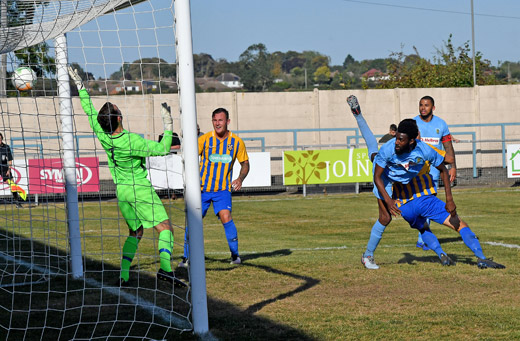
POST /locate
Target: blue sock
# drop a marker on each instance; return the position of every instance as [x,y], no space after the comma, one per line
[419,239]
[186,245]
[471,241]
[232,238]
[432,242]
[369,138]
[375,238]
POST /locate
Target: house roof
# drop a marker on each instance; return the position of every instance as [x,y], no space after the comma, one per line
[372,73]
[206,83]
[227,77]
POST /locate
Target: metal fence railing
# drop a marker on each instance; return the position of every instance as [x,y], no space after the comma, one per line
[479,161]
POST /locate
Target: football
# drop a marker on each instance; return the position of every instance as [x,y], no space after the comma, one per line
[24,78]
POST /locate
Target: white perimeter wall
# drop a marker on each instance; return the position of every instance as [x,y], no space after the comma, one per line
[286,110]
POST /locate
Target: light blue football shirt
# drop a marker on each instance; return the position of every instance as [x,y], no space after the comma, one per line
[433,132]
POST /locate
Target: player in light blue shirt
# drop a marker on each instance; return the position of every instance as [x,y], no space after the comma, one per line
[367,259]
[407,166]
[412,191]
[434,131]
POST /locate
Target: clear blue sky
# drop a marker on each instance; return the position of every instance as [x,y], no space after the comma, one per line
[365,29]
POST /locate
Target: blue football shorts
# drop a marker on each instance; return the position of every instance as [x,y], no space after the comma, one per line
[416,211]
[221,201]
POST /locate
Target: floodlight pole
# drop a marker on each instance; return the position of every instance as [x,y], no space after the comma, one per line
[69,160]
[473,43]
[192,198]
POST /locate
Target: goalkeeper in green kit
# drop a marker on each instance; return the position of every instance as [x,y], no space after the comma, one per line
[139,204]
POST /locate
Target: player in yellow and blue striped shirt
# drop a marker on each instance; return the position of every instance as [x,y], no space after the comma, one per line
[218,151]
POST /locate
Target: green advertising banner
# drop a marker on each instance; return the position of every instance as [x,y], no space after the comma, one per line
[326,166]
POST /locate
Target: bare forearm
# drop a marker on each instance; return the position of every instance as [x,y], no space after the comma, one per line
[446,180]
[244,170]
[450,154]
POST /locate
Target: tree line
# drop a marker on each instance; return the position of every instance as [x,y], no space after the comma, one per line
[260,70]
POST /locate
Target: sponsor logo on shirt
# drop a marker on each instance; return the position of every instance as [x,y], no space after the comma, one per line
[431,140]
[224,158]
[407,166]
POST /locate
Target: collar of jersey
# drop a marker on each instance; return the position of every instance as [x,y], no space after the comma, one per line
[118,135]
[215,135]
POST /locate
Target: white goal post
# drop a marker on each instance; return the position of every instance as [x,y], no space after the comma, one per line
[61,249]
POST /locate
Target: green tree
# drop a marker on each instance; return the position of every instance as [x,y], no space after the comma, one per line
[203,65]
[292,59]
[223,66]
[297,77]
[508,72]
[20,13]
[276,71]
[145,69]
[349,60]
[452,67]
[322,75]
[255,68]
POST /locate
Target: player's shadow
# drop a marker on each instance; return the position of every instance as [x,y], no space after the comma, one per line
[308,282]
[412,259]
[449,240]
[408,258]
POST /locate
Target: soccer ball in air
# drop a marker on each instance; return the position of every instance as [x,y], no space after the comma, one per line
[24,78]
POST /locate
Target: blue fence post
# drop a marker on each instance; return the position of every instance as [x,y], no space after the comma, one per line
[504,152]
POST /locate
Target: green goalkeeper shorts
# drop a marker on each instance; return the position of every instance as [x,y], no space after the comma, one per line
[140,205]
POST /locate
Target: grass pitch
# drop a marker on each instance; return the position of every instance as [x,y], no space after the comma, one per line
[302,279]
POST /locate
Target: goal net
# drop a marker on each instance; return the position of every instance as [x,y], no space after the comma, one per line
[61,230]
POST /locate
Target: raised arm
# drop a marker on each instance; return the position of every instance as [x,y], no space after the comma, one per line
[86,102]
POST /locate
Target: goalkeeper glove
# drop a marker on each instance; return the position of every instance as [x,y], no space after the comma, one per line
[166,116]
[76,78]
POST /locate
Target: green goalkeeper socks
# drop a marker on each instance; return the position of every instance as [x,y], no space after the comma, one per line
[129,250]
[165,249]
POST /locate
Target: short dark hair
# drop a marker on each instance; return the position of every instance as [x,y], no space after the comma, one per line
[393,127]
[220,110]
[430,98]
[409,127]
[107,117]
[2,136]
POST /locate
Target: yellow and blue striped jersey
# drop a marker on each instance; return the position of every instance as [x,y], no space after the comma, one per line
[409,172]
[420,185]
[217,158]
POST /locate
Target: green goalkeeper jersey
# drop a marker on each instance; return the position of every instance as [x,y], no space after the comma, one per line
[126,151]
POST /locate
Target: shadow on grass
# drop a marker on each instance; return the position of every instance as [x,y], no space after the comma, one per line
[245,325]
[431,257]
[411,259]
[309,282]
[56,306]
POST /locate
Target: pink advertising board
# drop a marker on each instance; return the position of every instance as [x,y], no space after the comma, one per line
[47,175]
